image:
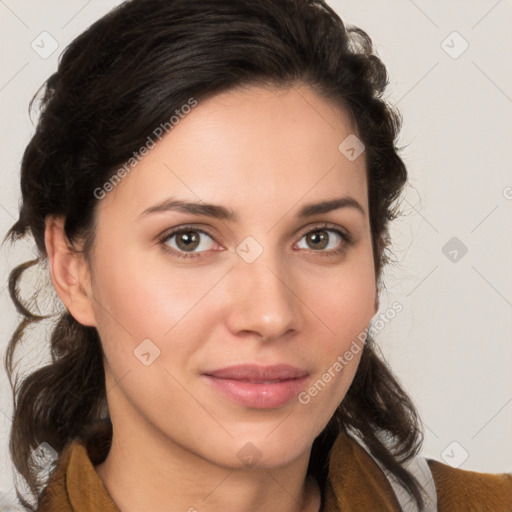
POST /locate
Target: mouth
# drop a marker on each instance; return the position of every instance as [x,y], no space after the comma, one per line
[258,387]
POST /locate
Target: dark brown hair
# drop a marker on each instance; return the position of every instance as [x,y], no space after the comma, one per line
[116,82]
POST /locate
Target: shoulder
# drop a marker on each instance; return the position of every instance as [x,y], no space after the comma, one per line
[470,491]
[54,497]
[74,483]
[358,482]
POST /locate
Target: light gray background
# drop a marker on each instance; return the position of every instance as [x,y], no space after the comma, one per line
[450,346]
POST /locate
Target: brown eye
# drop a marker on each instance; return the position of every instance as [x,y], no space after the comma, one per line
[188,241]
[318,239]
[325,240]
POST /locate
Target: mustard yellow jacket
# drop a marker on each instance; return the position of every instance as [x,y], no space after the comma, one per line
[355,484]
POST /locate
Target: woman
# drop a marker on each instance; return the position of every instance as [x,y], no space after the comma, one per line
[211,184]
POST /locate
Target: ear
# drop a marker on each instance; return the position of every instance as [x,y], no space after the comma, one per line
[70,272]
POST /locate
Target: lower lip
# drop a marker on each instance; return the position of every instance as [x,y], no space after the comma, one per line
[258,396]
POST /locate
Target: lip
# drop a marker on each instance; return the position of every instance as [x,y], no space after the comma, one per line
[259,387]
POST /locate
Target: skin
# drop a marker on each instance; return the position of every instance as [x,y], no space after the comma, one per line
[264,153]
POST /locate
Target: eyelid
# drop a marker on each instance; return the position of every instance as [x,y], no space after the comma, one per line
[184,255]
[171,232]
[330,226]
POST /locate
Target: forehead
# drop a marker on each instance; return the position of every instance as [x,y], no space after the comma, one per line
[250,147]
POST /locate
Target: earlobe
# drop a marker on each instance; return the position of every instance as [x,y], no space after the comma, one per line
[69,272]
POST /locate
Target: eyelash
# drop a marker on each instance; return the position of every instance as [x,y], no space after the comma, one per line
[348,240]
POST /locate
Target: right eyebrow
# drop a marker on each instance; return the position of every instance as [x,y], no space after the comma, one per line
[222,213]
[209,210]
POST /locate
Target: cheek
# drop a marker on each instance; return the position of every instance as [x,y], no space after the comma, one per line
[344,302]
[344,305]
[345,309]
[144,300]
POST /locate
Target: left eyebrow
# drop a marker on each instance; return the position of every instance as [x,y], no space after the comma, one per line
[222,213]
[327,206]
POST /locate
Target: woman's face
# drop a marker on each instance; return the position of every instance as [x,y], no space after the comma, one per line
[229,340]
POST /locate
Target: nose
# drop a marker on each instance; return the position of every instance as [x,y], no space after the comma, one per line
[262,301]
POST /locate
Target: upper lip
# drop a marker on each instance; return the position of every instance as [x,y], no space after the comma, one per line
[276,372]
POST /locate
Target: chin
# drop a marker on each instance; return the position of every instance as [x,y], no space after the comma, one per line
[270,451]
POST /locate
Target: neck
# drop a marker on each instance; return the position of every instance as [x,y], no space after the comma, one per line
[155,474]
